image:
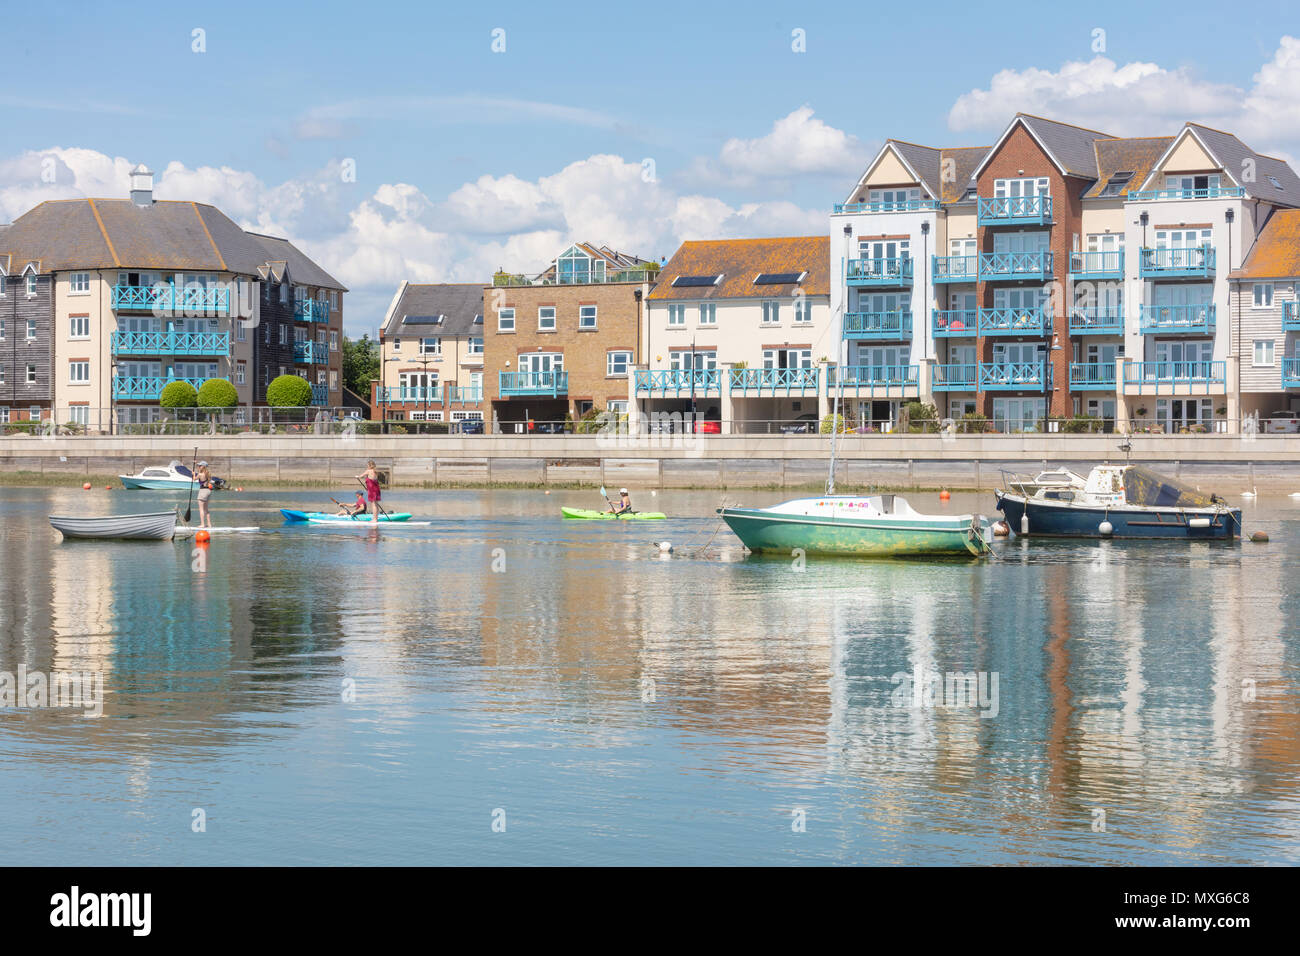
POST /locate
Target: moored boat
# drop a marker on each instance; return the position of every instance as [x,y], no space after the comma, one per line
[875,525]
[172,477]
[158,526]
[1115,501]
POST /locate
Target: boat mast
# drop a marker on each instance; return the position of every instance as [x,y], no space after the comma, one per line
[835,402]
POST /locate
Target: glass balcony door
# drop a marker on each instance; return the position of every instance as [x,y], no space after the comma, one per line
[1018,352]
[1022,241]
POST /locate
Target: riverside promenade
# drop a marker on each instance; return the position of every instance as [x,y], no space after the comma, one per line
[1232,463]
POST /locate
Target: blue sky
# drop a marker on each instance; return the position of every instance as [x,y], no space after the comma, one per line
[466,159]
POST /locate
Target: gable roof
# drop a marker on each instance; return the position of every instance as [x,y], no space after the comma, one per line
[1072,149]
[417,303]
[1276,252]
[926,164]
[739,261]
[615,261]
[302,269]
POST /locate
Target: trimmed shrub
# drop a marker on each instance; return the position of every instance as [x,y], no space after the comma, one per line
[288,391]
[834,423]
[179,394]
[217,393]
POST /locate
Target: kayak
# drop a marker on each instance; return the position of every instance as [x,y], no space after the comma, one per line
[325,517]
[606,515]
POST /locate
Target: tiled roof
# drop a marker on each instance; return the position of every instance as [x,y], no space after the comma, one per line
[1126,155]
[964,160]
[302,270]
[1074,147]
[740,260]
[458,302]
[1276,252]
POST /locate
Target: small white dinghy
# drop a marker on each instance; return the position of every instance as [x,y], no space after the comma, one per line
[156,526]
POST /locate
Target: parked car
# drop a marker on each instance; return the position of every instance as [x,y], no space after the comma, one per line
[801,425]
[471,426]
[1282,422]
[703,427]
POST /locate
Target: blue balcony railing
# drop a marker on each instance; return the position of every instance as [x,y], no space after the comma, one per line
[955,377]
[783,381]
[320,395]
[553,384]
[1196,262]
[903,205]
[665,382]
[1092,376]
[1291,373]
[1097,321]
[1016,265]
[874,379]
[171,343]
[1141,374]
[1015,376]
[950,323]
[880,271]
[1291,316]
[1213,192]
[397,394]
[955,268]
[311,310]
[1097,265]
[146,388]
[464,394]
[1035,321]
[895,324]
[165,298]
[1184,319]
[1014,211]
[311,353]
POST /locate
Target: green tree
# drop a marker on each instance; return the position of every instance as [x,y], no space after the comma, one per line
[360,364]
[288,391]
[178,394]
[217,394]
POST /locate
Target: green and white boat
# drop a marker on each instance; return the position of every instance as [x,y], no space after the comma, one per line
[871,526]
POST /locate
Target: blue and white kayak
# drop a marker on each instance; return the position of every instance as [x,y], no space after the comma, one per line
[325,517]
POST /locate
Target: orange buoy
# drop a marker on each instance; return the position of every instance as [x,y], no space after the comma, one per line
[1260,537]
[86,486]
[944,495]
[202,537]
[108,487]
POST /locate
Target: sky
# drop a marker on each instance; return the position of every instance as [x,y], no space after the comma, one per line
[417,141]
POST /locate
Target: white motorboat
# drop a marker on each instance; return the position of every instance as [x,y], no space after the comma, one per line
[174,477]
[156,526]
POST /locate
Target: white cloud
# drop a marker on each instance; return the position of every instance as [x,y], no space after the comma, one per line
[798,146]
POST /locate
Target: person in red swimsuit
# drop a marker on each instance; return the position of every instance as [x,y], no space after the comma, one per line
[370,478]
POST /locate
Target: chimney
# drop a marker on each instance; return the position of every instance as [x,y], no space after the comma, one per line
[142,186]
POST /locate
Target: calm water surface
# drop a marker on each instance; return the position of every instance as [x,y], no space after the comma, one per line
[620,706]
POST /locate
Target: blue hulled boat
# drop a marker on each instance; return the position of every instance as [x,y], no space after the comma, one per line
[1115,501]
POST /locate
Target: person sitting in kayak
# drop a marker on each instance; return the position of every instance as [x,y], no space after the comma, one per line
[354,509]
[370,478]
[624,505]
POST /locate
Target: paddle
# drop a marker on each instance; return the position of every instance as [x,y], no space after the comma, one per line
[377,504]
[348,508]
[193,470]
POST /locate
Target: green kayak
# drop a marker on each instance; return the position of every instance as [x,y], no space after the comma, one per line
[606,516]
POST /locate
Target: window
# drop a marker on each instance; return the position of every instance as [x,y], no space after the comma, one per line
[505,320]
[79,283]
[431,345]
[1263,297]
[1013,188]
[31,375]
[708,313]
[334,380]
[266,333]
[397,344]
[702,359]
[894,199]
[31,286]
[677,315]
[31,329]
[79,373]
[4,412]
[802,310]
[474,346]
[587,317]
[617,363]
[2,374]
[241,372]
[1193,187]
[77,415]
[241,330]
[1116,183]
[3,279]
[79,327]
[771,311]
[1263,352]
[334,340]
[334,301]
[546,318]
[284,292]
[2,330]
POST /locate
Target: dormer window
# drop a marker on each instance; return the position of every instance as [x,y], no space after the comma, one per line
[1115,185]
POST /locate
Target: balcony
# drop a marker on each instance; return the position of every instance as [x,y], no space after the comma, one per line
[166,298]
[540,384]
[955,268]
[146,388]
[774,381]
[1096,321]
[464,394]
[400,394]
[1015,376]
[951,323]
[320,395]
[1150,378]
[1177,319]
[1291,316]
[905,205]
[678,383]
[1291,373]
[1097,265]
[1214,192]
[311,353]
[886,381]
[955,378]
[1015,321]
[1019,266]
[1015,211]
[215,344]
[1092,376]
[878,272]
[896,324]
[1196,262]
[311,310]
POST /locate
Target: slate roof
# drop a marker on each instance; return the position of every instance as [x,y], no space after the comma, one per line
[1232,153]
[417,303]
[1276,252]
[740,260]
[1074,147]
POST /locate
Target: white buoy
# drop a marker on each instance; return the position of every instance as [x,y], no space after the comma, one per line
[665,547]
[1024,523]
[653,493]
[1105,529]
[1294,494]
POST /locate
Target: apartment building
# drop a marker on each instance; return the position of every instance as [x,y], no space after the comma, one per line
[1265,317]
[431,351]
[26,318]
[563,343]
[739,331]
[1060,271]
[143,292]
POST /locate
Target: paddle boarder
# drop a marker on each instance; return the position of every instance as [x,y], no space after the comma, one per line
[370,478]
[204,478]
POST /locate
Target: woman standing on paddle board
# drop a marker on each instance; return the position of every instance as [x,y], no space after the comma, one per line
[370,478]
[204,478]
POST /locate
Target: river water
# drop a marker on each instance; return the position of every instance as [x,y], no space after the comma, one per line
[503,686]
